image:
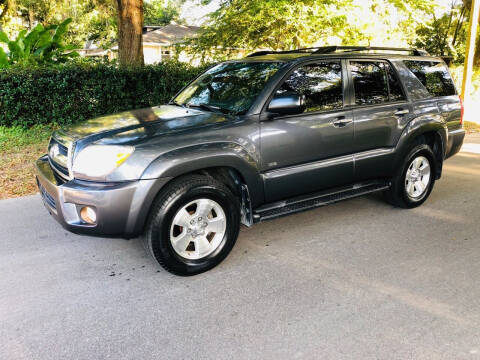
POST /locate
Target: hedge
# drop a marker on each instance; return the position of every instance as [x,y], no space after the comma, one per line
[76,92]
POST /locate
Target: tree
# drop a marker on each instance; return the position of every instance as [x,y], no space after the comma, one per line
[130,26]
[4,7]
[284,24]
[446,35]
[160,12]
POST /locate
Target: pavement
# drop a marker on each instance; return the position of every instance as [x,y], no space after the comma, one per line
[355,280]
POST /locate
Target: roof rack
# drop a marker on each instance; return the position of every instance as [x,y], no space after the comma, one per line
[333,49]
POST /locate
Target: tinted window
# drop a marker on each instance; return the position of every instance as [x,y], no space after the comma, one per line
[320,83]
[369,82]
[434,76]
[231,87]
[396,92]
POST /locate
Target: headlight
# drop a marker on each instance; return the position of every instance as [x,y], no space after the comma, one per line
[97,161]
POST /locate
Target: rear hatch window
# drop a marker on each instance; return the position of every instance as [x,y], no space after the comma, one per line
[434,76]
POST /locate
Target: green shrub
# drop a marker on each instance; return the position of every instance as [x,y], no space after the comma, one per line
[41,45]
[76,92]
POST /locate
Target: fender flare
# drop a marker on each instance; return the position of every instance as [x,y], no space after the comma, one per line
[416,128]
[204,156]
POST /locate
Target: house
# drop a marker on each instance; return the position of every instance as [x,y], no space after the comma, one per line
[159,41]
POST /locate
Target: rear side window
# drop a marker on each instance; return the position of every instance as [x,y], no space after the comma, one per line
[369,82]
[434,76]
[320,83]
[375,82]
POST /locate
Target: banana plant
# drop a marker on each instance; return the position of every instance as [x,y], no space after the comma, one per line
[41,46]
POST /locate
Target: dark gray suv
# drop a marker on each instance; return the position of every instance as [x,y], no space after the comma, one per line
[253,139]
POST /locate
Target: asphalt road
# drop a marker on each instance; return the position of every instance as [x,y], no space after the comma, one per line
[354,280]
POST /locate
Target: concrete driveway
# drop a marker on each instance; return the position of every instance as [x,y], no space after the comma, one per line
[355,280]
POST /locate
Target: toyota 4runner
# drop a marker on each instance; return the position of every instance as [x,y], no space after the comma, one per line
[253,139]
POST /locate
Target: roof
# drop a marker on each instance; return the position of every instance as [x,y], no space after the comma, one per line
[340,52]
[170,34]
[305,56]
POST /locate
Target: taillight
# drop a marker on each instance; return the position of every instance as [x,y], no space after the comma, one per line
[461,111]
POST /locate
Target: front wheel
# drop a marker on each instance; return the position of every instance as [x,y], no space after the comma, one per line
[414,181]
[193,225]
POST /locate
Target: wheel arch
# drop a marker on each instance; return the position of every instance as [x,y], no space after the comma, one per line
[207,157]
[431,132]
[228,163]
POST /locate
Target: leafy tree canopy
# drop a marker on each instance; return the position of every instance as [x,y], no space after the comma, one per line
[159,12]
[284,24]
[94,20]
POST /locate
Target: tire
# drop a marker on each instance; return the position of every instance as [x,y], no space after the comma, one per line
[180,224]
[398,195]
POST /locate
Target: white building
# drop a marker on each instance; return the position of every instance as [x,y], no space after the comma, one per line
[159,43]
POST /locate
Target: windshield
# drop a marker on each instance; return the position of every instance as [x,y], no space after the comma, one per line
[228,87]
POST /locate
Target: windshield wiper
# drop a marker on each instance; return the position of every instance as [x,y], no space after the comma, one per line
[211,108]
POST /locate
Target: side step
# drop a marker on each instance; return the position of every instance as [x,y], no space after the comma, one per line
[302,203]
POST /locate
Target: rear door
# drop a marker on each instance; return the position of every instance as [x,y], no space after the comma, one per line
[311,151]
[380,107]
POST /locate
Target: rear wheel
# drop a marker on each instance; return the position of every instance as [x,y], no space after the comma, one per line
[193,225]
[414,181]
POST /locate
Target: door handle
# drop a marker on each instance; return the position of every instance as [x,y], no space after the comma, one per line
[402,112]
[341,121]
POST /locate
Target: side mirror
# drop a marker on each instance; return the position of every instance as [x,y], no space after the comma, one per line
[287,104]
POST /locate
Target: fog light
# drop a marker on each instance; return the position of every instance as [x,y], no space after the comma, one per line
[88,215]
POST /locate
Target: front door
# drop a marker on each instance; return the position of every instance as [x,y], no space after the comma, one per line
[310,151]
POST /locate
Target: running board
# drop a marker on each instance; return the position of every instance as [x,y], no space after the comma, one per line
[302,203]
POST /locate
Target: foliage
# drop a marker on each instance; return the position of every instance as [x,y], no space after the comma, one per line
[70,93]
[283,24]
[445,35]
[274,24]
[159,12]
[92,20]
[42,45]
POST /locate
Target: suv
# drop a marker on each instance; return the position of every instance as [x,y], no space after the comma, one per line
[253,139]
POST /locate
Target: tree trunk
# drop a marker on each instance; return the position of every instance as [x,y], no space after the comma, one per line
[476,57]
[130,24]
[31,18]
[459,26]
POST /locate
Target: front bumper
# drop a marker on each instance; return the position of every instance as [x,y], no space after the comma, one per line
[121,208]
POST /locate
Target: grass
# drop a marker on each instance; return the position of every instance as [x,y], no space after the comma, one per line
[19,148]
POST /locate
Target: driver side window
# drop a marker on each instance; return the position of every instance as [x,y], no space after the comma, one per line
[320,84]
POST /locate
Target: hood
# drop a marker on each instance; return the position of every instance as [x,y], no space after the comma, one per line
[130,125]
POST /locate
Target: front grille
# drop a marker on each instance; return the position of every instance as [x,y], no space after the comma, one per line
[58,154]
[62,148]
[46,196]
[63,171]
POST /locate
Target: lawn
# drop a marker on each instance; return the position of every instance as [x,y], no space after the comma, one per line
[19,148]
